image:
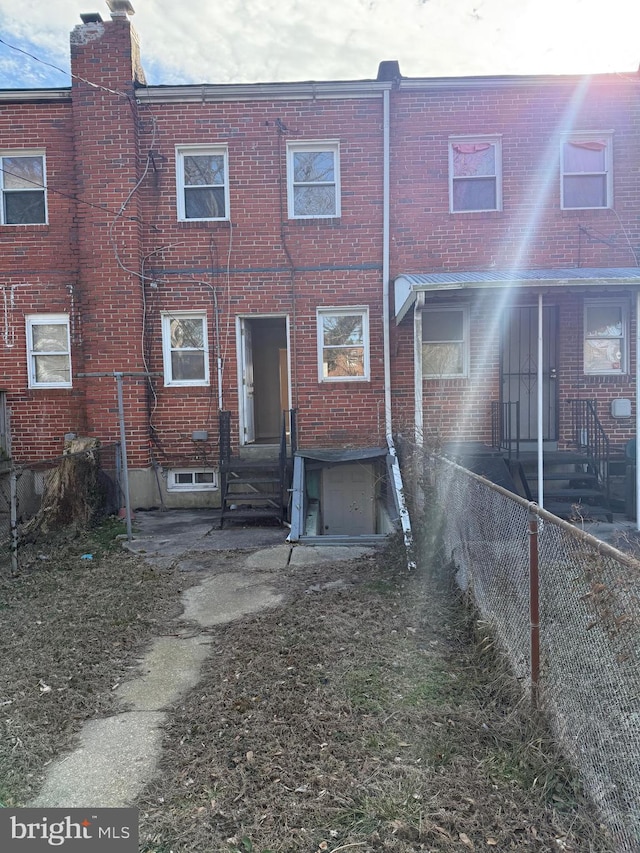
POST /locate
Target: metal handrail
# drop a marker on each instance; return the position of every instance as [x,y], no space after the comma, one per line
[589,435]
[505,426]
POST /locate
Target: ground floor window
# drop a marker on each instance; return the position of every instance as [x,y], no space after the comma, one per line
[343,344]
[445,342]
[48,351]
[606,337]
[185,348]
[192,480]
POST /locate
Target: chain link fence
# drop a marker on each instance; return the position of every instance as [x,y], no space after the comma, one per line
[40,499]
[509,555]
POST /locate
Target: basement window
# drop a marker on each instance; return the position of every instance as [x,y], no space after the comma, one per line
[22,183]
[192,480]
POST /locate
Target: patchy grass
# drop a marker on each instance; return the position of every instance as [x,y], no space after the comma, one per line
[361,715]
[72,628]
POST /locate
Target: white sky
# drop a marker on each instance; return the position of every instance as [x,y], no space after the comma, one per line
[226,41]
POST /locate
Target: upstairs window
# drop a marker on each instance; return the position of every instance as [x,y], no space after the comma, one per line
[185,348]
[606,337]
[313,180]
[343,344]
[445,349]
[475,175]
[586,172]
[203,185]
[22,181]
[48,351]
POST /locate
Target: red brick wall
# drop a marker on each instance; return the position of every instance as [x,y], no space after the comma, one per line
[531,231]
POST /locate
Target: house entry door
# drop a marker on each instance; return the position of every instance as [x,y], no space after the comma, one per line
[264,378]
[519,370]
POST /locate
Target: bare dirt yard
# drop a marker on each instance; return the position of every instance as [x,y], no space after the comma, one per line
[369,712]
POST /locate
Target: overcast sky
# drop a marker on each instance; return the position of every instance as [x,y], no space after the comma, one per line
[227,41]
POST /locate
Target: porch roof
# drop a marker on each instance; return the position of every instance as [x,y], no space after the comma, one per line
[407,285]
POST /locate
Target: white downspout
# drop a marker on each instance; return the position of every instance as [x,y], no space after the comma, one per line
[540,404]
[386,321]
[637,459]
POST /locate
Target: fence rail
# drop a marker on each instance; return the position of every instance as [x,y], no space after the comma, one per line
[586,635]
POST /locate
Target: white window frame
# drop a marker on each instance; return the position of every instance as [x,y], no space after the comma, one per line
[36,188]
[496,141]
[183,151]
[32,356]
[363,313]
[624,307]
[167,317]
[460,309]
[603,136]
[324,146]
[193,486]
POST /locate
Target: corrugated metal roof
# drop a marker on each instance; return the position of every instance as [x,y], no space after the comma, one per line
[558,276]
[407,285]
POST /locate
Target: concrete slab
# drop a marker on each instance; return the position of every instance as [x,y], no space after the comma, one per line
[308,555]
[223,598]
[115,758]
[270,558]
[170,668]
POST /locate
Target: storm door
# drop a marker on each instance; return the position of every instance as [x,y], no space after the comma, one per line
[519,371]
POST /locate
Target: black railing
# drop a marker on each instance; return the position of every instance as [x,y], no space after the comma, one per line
[225,439]
[505,427]
[589,436]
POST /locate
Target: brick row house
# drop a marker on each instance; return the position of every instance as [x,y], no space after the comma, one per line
[332,263]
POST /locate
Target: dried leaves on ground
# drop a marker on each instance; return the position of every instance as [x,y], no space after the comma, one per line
[362,714]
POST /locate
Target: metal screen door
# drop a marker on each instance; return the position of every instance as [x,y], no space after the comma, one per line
[519,369]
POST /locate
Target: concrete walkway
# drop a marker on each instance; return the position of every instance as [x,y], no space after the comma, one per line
[118,755]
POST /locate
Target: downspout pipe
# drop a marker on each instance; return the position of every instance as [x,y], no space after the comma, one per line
[405,521]
[540,424]
[637,459]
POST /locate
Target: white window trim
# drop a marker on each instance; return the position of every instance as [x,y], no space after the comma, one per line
[332,145]
[189,151]
[496,141]
[36,188]
[363,311]
[465,341]
[173,486]
[49,320]
[624,349]
[605,136]
[167,317]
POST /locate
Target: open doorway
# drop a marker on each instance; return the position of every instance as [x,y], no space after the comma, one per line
[263,378]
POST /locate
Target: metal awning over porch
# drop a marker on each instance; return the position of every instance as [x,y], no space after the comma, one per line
[408,285]
[411,289]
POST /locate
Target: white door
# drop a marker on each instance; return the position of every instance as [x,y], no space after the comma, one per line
[246,392]
[348,500]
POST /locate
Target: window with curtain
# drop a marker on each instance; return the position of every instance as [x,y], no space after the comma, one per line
[586,173]
[474,175]
[605,337]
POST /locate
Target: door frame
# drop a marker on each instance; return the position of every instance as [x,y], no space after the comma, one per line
[241,319]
